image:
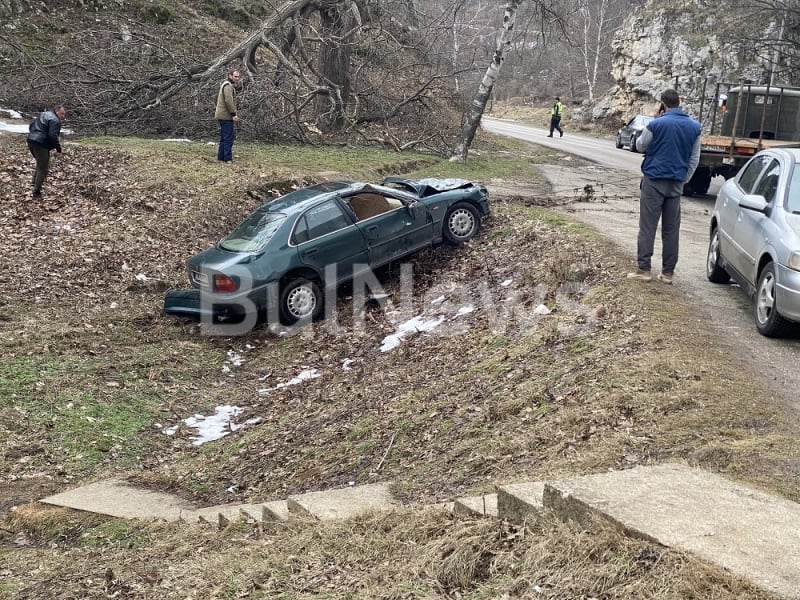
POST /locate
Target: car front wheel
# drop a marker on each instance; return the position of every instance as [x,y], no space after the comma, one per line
[633,142]
[769,322]
[619,143]
[714,272]
[301,300]
[461,223]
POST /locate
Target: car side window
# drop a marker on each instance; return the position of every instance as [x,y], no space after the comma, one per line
[751,172]
[768,184]
[320,220]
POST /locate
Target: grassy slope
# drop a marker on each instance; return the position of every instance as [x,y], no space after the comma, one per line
[91,372]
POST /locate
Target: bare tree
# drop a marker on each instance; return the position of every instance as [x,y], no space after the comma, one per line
[487,83]
[595,20]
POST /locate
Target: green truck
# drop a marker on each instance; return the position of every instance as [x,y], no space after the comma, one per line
[743,119]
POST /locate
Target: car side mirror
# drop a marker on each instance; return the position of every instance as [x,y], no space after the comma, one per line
[754,202]
[411,207]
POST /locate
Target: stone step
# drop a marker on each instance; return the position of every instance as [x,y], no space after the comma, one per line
[117,498]
[476,506]
[342,503]
[516,501]
[745,531]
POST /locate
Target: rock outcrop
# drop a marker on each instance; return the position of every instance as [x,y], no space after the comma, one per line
[691,47]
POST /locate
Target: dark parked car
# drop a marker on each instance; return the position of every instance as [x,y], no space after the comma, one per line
[627,134]
[293,248]
[755,237]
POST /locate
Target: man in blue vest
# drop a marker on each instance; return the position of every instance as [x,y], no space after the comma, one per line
[555,118]
[671,145]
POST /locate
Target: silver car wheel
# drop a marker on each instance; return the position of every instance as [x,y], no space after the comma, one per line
[301,301]
[461,222]
[765,298]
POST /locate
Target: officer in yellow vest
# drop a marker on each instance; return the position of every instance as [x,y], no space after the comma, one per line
[555,118]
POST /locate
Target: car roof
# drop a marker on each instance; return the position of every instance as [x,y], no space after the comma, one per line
[792,154]
[301,197]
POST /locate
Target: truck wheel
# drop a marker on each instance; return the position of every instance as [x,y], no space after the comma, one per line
[699,183]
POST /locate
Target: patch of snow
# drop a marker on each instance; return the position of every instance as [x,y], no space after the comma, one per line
[464,310]
[300,378]
[213,427]
[506,282]
[415,325]
[541,310]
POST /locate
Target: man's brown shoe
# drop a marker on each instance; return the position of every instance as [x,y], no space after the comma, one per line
[640,275]
[665,278]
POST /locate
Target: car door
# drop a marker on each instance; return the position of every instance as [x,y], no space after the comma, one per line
[730,211]
[326,237]
[405,228]
[749,230]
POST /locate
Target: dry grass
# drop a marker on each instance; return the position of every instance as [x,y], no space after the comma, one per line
[91,373]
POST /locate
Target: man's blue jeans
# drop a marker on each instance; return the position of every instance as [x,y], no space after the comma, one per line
[227,134]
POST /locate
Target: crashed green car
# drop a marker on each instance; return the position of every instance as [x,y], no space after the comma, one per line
[276,265]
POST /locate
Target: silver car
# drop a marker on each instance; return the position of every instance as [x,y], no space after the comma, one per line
[755,237]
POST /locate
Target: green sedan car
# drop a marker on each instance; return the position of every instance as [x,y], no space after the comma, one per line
[278,263]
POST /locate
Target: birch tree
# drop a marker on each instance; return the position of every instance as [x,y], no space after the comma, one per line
[490,77]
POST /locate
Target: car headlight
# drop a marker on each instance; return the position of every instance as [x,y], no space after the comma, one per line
[794,261]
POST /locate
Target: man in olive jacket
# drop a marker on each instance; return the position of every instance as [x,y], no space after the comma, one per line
[225,114]
[43,134]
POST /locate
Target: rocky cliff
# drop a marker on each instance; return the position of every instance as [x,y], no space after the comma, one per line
[690,46]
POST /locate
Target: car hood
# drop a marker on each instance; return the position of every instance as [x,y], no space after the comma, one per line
[431,185]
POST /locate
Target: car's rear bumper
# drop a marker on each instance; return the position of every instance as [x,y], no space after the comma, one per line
[193,304]
[787,292]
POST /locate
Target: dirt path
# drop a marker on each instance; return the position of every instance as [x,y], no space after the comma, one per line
[613,210]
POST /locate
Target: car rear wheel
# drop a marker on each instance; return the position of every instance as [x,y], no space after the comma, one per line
[461,223]
[301,300]
[769,322]
[714,272]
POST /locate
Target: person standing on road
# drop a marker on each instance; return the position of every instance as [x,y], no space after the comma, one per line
[671,145]
[43,137]
[555,118]
[225,114]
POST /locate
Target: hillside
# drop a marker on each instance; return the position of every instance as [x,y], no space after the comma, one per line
[96,382]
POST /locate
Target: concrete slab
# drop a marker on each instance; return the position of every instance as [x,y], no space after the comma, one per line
[516,501]
[476,506]
[748,532]
[117,498]
[342,503]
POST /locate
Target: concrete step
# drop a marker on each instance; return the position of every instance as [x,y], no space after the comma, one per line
[343,503]
[117,498]
[476,506]
[745,531]
[517,501]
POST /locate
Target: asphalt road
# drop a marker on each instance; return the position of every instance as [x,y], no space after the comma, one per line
[614,176]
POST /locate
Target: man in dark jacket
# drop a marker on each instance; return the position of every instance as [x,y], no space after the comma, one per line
[42,138]
[671,144]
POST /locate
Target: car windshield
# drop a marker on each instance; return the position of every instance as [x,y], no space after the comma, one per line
[254,233]
[793,195]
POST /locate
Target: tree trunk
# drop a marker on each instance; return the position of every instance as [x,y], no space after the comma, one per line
[335,63]
[487,83]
